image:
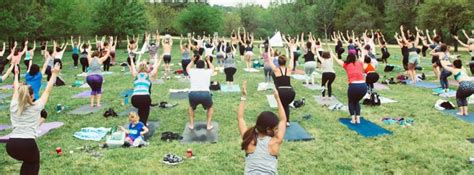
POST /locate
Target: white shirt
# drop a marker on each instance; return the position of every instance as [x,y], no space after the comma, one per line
[200,79]
[26,124]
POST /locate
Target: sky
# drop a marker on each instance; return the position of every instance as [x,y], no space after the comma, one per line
[264,3]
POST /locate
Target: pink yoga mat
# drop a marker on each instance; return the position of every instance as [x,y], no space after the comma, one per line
[42,130]
[7,86]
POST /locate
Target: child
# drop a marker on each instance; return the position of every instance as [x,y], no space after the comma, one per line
[135,131]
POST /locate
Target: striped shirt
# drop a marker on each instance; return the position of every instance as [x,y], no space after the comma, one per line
[141,84]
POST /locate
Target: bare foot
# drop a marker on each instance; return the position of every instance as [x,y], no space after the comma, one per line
[98,105]
[210,127]
[191,126]
[353,121]
[358,120]
[460,113]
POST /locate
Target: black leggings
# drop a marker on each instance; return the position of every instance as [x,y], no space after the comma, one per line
[296,55]
[229,73]
[328,77]
[423,51]
[107,64]
[471,66]
[27,151]
[371,78]
[142,103]
[287,95]
[85,64]
[27,63]
[58,61]
[184,64]
[355,93]
[75,57]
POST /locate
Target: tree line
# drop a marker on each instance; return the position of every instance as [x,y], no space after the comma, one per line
[59,19]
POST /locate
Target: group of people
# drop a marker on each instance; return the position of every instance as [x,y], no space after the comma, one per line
[261,142]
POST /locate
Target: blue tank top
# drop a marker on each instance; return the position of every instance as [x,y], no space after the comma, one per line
[75,50]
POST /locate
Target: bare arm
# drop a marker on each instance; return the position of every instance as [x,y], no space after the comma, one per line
[211,67]
[445,64]
[54,73]
[278,138]
[16,84]
[241,111]
[338,61]
[465,34]
[460,42]
[156,66]
[190,65]
[7,73]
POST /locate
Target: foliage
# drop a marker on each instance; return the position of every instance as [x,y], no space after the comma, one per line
[199,18]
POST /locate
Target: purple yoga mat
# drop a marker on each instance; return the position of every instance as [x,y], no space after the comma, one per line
[42,130]
[4,127]
[84,94]
[7,86]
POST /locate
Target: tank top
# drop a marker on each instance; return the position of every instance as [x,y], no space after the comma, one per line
[75,50]
[369,68]
[309,57]
[354,71]
[84,55]
[283,80]
[141,84]
[152,49]
[94,66]
[59,55]
[261,161]
[412,49]
[51,62]
[266,58]
[249,48]
[27,55]
[229,61]
[327,65]
[185,55]
[457,76]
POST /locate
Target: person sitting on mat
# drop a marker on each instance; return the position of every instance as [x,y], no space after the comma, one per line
[199,93]
[26,116]
[135,132]
[466,85]
[357,86]
[262,142]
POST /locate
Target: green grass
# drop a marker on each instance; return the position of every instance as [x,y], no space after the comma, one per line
[435,144]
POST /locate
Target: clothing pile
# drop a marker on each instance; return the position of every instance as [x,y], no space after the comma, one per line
[400,120]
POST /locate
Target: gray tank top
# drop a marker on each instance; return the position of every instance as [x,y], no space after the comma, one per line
[94,67]
[186,55]
[152,49]
[229,61]
[261,161]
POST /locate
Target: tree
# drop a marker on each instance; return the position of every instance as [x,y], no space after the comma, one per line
[161,17]
[452,16]
[358,16]
[231,22]
[19,20]
[322,15]
[199,18]
[399,12]
[120,17]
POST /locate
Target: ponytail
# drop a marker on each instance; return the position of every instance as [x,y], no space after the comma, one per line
[249,136]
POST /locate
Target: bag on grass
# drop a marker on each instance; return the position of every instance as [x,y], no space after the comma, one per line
[388,68]
[59,82]
[110,113]
[215,86]
[298,103]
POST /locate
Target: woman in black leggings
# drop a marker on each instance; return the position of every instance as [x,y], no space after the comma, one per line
[371,76]
[26,115]
[283,83]
[141,98]
[329,74]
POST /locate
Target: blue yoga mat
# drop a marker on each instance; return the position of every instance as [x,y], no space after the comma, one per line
[423,84]
[469,118]
[127,93]
[365,128]
[297,133]
[438,91]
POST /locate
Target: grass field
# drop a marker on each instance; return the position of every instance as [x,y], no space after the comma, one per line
[434,145]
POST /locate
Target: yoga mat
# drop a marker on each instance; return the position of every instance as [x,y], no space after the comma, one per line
[439,91]
[127,111]
[4,127]
[298,76]
[5,96]
[251,70]
[85,85]
[158,81]
[152,127]
[265,86]
[313,86]
[42,130]
[331,101]
[385,100]
[365,128]
[127,93]
[84,94]
[6,87]
[86,109]
[422,84]
[179,94]
[448,94]
[297,133]
[230,88]
[380,86]
[4,106]
[272,101]
[200,134]
[469,118]
[107,73]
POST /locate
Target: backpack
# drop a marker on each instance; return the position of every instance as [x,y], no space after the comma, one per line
[373,100]
[388,68]
[110,113]
[59,82]
[298,103]
[215,86]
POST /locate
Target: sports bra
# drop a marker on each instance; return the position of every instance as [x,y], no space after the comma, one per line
[28,55]
[249,48]
[283,80]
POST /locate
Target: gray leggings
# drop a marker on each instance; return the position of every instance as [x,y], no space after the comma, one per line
[267,70]
[309,68]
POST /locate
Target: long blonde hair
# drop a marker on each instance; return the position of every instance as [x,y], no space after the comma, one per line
[24,98]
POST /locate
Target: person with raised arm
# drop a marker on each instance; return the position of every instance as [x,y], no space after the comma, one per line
[75,50]
[470,48]
[413,57]
[167,44]
[29,54]
[262,142]
[466,85]
[26,116]
[94,75]
[185,54]
[248,45]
